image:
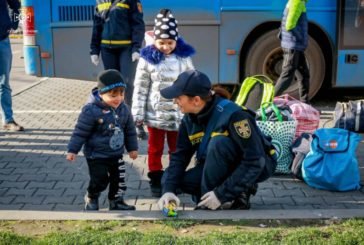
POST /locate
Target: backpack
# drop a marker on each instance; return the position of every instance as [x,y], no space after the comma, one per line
[255,91]
[331,163]
[350,115]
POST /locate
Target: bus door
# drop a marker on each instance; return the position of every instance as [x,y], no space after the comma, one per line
[71,29]
[350,70]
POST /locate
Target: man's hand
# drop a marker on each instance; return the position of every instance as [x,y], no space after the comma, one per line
[166,198]
[133,155]
[210,200]
[71,156]
[95,59]
[135,56]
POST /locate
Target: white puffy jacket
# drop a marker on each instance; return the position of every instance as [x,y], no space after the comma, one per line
[148,104]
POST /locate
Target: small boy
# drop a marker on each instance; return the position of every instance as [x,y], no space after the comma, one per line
[104,127]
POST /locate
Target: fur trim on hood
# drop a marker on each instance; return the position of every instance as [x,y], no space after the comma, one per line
[152,55]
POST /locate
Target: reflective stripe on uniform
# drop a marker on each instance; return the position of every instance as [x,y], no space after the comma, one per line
[196,136]
[116,42]
[123,5]
[105,6]
[225,133]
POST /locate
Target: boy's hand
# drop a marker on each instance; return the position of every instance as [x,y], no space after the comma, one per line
[71,156]
[133,155]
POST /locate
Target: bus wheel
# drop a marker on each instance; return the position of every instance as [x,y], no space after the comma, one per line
[265,57]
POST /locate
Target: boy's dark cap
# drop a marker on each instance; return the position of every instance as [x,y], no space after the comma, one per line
[192,83]
[109,79]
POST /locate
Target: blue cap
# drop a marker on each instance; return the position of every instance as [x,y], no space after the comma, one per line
[192,83]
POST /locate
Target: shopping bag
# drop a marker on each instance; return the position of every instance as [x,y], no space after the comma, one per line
[282,133]
[306,116]
[331,163]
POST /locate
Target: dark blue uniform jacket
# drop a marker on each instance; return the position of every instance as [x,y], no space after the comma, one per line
[94,129]
[7,21]
[117,25]
[249,167]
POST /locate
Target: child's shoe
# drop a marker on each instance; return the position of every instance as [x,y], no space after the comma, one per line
[91,204]
[155,182]
[119,204]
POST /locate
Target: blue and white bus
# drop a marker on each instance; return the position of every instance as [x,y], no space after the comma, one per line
[233,39]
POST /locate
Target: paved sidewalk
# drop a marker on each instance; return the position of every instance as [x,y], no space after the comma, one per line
[34,175]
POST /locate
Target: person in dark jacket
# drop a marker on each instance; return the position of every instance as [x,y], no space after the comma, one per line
[8,23]
[118,33]
[232,155]
[104,127]
[294,39]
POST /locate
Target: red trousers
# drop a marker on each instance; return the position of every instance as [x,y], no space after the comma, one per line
[156,146]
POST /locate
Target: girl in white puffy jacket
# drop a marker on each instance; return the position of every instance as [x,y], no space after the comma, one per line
[158,67]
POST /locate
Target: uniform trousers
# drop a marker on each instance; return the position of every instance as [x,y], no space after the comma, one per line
[120,59]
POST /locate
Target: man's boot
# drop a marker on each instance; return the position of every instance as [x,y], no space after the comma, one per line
[155,182]
[119,204]
[243,201]
[91,202]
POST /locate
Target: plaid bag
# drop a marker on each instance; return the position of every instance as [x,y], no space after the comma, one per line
[307,117]
[282,133]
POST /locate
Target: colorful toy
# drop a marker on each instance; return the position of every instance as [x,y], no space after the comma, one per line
[170,210]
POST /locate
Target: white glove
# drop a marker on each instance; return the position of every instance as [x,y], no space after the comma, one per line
[166,198]
[135,56]
[210,200]
[95,59]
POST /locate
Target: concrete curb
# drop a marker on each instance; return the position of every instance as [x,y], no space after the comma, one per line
[189,215]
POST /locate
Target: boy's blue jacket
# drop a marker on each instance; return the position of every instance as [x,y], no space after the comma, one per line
[93,129]
[7,21]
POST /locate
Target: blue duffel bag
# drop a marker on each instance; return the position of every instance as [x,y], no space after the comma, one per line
[331,163]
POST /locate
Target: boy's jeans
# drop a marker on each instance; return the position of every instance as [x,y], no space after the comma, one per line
[5,90]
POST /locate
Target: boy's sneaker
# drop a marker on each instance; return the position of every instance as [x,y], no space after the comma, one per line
[141,134]
[13,126]
[119,204]
[91,204]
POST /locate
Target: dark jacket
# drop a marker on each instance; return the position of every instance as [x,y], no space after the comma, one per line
[249,167]
[296,38]
[117,25]
[95,127]
[8,21]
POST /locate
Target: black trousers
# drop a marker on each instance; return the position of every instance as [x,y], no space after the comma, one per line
[104,172]
[294,62]
[120,59]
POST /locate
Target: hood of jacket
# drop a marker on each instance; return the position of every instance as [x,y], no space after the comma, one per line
[154,56]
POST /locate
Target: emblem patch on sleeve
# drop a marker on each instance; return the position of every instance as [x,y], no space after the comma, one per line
[140,8]
[243,129]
